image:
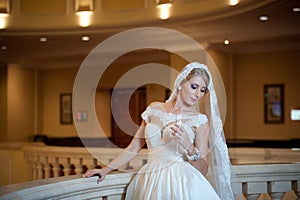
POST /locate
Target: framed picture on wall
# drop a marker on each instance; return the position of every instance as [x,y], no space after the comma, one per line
[66,108]
[274,103]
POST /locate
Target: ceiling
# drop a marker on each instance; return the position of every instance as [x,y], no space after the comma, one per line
[240,24]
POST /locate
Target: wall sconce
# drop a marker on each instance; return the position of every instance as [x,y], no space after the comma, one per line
[4,13]
[84,10]
[164,7]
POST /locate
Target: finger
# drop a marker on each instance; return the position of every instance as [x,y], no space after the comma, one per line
[86,175]
[174,133]
[173,128]
[178,126]
[90,173]
[100,179]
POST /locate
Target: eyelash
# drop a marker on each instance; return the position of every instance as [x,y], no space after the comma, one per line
[203,89]
[194,86]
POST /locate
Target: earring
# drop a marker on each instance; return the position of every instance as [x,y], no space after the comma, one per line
[179,88]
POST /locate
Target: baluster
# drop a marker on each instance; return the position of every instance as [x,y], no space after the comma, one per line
[252,190]
[34,171]
[277,189]
[128,166]
[43,159]
[296,188]
[34,167]
[252,196]
[29,166]
[56,167]
[77,162]
[66,164]
[277,195]
[136,163]
[47,168]
[39,168]
[237,188]
[89,162]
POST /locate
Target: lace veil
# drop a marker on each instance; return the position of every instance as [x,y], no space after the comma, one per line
[220,165]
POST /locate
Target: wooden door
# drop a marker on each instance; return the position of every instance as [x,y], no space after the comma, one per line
[123,129]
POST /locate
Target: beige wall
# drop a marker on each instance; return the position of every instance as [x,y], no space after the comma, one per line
[244,77]
[3,102]
[53,82]
[20,103]
[223,63]
[251,73]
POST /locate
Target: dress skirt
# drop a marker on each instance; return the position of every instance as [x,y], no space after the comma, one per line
[170,180]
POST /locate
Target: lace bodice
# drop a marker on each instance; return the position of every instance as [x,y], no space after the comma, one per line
[158,134]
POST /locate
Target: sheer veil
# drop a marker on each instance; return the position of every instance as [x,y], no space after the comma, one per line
[220,166]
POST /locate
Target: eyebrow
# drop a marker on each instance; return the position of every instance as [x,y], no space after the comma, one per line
[195,84]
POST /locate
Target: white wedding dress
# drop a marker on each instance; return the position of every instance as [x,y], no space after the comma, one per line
[168,175]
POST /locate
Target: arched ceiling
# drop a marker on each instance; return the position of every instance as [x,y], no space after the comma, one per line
[207,21]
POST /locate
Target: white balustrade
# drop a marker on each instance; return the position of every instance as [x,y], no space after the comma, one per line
[280,181]
[52,161]
[263,155]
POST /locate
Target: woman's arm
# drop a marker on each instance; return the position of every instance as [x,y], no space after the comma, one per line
[124,157]
[201,143]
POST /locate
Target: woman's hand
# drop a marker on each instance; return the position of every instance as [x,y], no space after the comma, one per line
[181,136]
[98,172]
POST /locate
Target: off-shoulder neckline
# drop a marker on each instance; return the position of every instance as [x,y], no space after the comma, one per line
[170,113]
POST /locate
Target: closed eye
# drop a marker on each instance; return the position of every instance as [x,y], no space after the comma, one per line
[194,86]
[204,90]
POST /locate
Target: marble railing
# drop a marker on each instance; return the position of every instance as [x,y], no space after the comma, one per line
[263,181]
[263,155]
[51,161]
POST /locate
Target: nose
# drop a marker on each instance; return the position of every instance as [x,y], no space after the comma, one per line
[197,93]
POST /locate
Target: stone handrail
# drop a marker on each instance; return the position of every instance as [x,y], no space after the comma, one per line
[275,180]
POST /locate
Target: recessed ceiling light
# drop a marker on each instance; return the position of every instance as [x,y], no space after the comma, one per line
[296,9]
[3,47]
[226,42]
[85,38]
[233,2]
[43,39]
[263,18]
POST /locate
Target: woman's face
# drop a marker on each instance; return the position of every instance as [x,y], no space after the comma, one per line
[192,90]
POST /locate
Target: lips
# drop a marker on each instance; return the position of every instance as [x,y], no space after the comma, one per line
[194,99]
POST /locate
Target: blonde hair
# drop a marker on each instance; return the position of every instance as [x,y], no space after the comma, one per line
[199,72]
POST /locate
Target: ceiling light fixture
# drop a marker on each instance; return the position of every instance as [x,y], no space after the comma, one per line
[85,38]
[3,47]
[233,2]
[263,18]
[296,9]
[84,10]
[226,42]
[164,7]
[43,39]
[4,13]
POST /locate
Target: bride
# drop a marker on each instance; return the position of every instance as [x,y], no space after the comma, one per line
[184,145]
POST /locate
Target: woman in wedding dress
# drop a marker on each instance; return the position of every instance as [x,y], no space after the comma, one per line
[184,145]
